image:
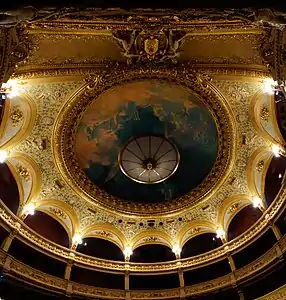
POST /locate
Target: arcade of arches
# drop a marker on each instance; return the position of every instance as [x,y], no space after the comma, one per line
[142,155]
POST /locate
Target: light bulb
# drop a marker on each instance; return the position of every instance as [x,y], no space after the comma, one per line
[128,251]
[276,150]
[77,239]
[3,156]
[256,201]
[29,209]
[176,249]
[269,86]
[220,233]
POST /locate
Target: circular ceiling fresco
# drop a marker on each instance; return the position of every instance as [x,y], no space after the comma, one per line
[140,108]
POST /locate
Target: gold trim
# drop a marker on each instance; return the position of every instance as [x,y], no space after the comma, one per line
[5,118]
[31,238]
[88,232]
[28,124]
[75,107]
[32,276]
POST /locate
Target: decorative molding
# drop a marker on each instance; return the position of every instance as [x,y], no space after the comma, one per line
[150,44]
[278,294]
[35,277]
[16,116]
[30,237]
[63,148]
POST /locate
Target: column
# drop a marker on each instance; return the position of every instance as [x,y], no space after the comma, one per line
[182,283]
[276,231]
[68,270]
[126,287]
[240,294]
[7,242]
[231,263]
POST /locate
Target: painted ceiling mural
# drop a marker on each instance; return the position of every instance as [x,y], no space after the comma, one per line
[146,108]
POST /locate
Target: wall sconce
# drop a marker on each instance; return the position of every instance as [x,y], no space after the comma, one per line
[220,233]
[29,209]
[177,250]
[256,202]
[11,88]
[77,239]
[277,150]
[3,156]
[270,86]
[127,252]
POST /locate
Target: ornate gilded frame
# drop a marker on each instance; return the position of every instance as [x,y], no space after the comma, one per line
[63,140]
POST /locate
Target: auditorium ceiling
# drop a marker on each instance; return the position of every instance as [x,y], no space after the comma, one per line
[142,128]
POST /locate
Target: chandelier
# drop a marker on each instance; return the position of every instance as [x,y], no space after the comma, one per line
[149,159]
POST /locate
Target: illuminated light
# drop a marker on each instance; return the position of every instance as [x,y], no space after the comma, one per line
[11,88]
[176,249]
[280,175]
[270,86]
[77,239]
[3,156]
[276,150]
[29,209]
[256,202]
[128,251]
[220,233]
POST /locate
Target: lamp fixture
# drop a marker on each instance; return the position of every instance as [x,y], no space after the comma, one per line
[127,251]
[177,250]
[3,156]
[29,209]
[220,233]
[77,239]
[270,86]
[149,159]
[256,202]
[11,88]
[277,150]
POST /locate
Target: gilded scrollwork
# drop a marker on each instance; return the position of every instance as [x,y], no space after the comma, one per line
[63,86]
[150,44]
[68,165]
[16,116]
[23,172]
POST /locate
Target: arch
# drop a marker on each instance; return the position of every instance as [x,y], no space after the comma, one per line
[25,126]
[256,170]
[154,237]
[9,189]
[48,227]
[194,228]
[152,253]
[275,176]
[101,247]
[106,231]
[265,124]
[62,212]
[231,206]
[28,189]
[200,243]
[243,219]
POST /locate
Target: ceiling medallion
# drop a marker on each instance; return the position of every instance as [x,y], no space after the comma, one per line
[176,104]
[149,159]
